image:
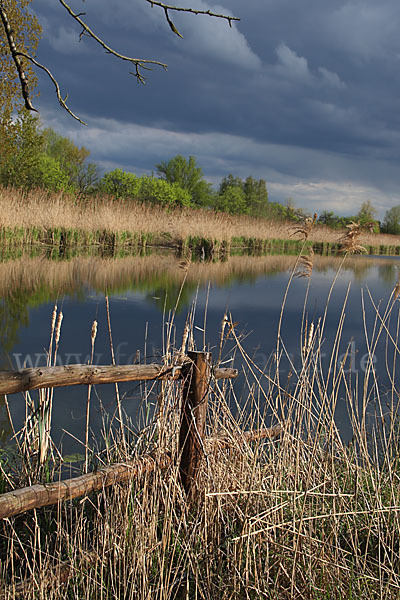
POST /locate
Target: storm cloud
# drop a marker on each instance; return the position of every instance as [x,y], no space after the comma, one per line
[302,93]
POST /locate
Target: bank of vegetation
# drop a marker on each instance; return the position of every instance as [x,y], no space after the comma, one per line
[51,194]
[36,220]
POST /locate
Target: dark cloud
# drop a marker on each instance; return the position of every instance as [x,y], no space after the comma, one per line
[304,94]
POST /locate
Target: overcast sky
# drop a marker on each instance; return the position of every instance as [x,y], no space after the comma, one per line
[303,93]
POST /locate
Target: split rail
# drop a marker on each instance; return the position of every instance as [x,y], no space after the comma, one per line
[196,372]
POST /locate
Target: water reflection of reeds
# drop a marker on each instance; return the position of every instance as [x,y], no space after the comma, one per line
[40,276]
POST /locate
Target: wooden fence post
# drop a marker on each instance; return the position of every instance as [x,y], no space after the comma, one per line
[193,418]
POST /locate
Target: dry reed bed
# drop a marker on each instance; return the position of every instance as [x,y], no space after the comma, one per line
[38,209]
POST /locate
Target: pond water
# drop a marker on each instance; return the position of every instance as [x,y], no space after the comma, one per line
[143,295]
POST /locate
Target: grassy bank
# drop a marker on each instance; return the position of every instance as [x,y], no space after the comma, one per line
[304,517]
[36,218]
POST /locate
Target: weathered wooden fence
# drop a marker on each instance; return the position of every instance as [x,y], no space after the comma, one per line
[197,374]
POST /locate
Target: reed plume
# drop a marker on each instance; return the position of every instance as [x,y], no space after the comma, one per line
[349,241]
[305,266]
[304,228]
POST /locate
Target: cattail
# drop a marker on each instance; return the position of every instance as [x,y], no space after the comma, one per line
[58,328]
[53,318]
[396,292]
[184,340]
[94,332]
[93,336]
[53,323]
[308,336]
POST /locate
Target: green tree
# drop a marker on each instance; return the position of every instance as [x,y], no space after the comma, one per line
[162,192]
[120,184]
[43,159]
[25,32]
[124,185]
[256,196]
[367,213]
[23,144]
[290,209]
[72,160]
[230,181]
[188,176]
[328,217]
[366,216]
[248,197]
[48,174]
[232,201]
[391,221]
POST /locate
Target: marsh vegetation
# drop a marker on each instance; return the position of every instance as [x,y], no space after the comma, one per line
[37,220]
[309,515]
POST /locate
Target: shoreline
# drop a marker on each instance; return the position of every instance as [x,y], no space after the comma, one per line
[59,220]
[66,242]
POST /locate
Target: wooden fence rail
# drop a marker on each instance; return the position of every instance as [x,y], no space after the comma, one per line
[197,374]
[38,495]
[12,382]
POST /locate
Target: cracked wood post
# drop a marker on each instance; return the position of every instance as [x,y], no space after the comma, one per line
[193,419]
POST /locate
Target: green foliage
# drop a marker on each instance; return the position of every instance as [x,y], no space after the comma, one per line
[162,192]
[330,219]
[256,196]
[391,221]
[230,181]
[188,176]
[48,174]
[123,185]
[22,145]
[72,161]
[232,201]
[32,158]
[366,214]
[236,196]
[120,184]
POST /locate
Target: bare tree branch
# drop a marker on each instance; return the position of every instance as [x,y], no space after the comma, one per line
[138,62]
[170,23]
[61,100]
[168,7]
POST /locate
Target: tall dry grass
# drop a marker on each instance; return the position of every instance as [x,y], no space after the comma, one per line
[304,517]
[38,209]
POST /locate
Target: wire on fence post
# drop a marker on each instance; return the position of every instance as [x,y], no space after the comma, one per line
[197,375]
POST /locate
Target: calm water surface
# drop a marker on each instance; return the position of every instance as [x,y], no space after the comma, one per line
[144,291]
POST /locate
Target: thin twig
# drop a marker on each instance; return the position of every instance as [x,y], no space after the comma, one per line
[60,99]
[193,11]
[138,62]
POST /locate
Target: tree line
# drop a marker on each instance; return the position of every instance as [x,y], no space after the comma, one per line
[33,157]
